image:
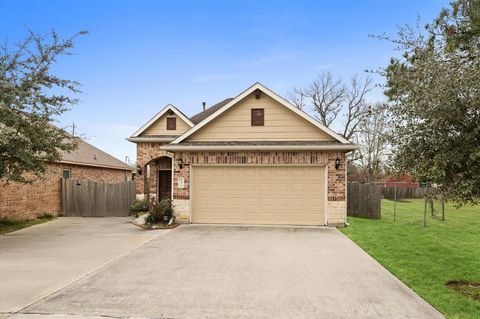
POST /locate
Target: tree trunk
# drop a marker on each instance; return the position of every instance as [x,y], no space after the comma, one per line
[432,210]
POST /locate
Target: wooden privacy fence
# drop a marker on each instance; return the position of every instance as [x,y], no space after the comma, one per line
[403,192]
[364,200]
[96,199]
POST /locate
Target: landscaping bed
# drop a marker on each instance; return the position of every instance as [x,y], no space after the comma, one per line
[8,226]
[153,214]
[435,261]
[158,226]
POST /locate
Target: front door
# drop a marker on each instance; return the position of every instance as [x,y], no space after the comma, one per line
[164,184]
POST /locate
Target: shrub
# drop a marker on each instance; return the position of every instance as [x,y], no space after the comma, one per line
[46,216]
[139,205]
[161,212]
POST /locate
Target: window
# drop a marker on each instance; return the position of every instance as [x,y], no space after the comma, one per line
[171,123]
[258,117]
[66,173]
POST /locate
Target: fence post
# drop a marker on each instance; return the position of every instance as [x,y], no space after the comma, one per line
[395,203]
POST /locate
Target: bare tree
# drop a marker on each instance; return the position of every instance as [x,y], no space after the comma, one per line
[372,143]
[357,109]
[331,100]
[325,95]
[298,98]
[344,107]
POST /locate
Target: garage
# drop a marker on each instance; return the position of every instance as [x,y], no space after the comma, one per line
[269,195]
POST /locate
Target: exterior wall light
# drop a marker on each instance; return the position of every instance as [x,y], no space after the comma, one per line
[337,163]
[180,162]
[139,169]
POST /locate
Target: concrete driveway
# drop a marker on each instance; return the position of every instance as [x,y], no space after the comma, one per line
[37,261]
[202,271]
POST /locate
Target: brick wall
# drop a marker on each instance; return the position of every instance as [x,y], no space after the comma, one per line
[336,178]
[147,153]
[26,201]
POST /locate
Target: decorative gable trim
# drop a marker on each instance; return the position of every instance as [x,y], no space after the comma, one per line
[273,95]
[159,115]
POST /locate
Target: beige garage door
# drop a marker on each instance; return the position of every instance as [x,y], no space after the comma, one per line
[258,195]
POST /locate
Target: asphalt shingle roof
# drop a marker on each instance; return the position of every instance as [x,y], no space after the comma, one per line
[87,154]
[197,118]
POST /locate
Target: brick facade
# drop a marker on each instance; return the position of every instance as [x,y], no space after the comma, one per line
[26,201]
[148,153]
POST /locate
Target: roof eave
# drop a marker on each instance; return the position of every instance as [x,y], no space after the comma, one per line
[149,139]
[339,147]
[126,168]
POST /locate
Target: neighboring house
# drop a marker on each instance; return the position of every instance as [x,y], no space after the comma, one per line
[253,159]
[25,201]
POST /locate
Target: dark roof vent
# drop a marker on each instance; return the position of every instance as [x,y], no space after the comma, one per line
[204,105]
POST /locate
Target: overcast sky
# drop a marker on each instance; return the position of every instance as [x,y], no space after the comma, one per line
[142,55]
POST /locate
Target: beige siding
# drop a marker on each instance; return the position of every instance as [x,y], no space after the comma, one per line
[280,124]
[159,127]
[270,195]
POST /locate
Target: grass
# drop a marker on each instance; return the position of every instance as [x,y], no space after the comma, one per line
[8,226]
[426,258]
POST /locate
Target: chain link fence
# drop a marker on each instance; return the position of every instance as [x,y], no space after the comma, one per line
[398,201]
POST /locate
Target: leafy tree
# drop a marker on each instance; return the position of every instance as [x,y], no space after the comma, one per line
[30,99]
[434,91]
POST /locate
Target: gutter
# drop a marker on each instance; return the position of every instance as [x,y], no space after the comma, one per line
[179,147]
[150,139]
[96,165]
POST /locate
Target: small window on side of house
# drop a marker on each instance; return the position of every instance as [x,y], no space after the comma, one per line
[66,173]
[258,117]
[171,123]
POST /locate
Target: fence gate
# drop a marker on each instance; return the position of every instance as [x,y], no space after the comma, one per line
[96,199]
[364,200]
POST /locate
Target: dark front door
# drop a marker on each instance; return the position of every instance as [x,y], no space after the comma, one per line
[164,184]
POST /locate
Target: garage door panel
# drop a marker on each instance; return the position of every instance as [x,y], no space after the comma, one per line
[265,187]
[258,195]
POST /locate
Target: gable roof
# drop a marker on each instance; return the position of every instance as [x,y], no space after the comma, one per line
[159,115]
[197,118]
[89,155]
[257,86]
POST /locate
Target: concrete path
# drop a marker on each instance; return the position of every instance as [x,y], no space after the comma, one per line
[39,260]
[202,271]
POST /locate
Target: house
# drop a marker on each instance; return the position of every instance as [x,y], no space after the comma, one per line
[252,159]
[26,201]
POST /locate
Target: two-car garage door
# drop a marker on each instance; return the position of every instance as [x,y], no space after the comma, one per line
[286,195]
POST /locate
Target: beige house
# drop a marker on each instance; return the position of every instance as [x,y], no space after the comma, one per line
[253,159]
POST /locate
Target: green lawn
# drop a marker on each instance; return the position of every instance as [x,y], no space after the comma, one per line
[425,258]
[7,226]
